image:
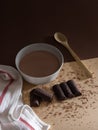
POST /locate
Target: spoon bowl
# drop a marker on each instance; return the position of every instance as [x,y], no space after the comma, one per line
[61,38]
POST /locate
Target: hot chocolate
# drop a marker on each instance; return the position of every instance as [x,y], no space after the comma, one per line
[39,63]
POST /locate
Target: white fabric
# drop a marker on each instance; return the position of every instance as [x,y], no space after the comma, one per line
[14,115]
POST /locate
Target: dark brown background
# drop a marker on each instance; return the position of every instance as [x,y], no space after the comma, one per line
[30,21]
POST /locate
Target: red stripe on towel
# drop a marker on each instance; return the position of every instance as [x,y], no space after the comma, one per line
[26,123]
[6,87]
[1,71]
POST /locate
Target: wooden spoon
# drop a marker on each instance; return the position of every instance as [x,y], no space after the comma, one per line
[61,38]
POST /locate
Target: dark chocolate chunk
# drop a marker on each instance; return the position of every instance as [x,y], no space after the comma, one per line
[58,92]
[66,90]
[73,87]
[34,100]
[43,94]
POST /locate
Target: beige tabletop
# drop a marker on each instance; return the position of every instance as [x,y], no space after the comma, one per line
[79,113]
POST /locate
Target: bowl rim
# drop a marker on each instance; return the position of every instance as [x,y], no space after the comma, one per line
[43,44]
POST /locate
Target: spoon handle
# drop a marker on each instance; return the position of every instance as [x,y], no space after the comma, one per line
[78,60]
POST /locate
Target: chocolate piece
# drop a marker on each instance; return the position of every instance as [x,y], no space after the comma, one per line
[59,92]
[73,87]
[66,90]
[34,100]
[43,94]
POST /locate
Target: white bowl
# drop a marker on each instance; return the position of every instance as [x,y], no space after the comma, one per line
[37,47]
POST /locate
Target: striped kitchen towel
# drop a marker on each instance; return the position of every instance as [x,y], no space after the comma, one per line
[14,115]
